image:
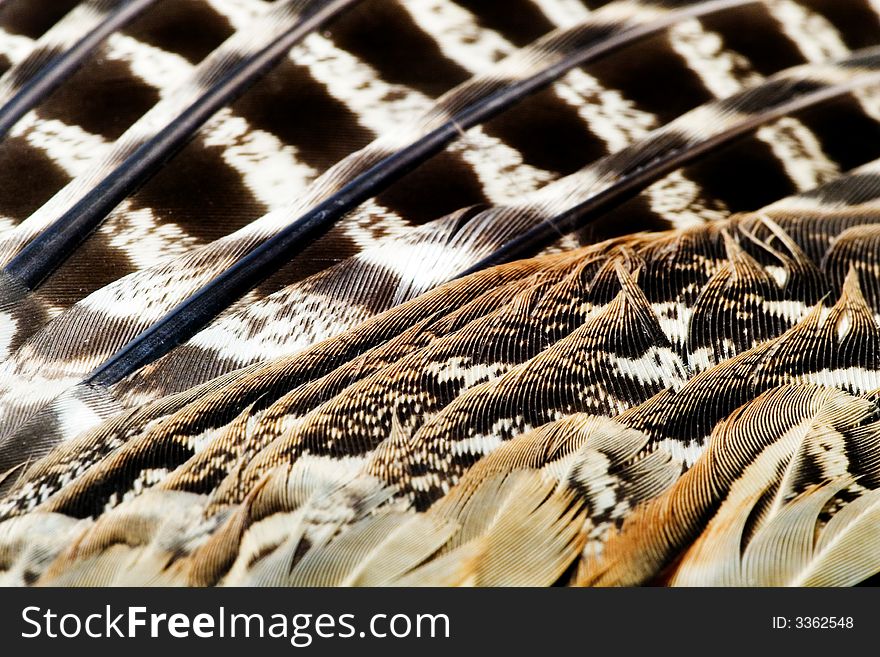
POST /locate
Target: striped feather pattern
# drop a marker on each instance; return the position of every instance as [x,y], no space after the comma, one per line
[428,292]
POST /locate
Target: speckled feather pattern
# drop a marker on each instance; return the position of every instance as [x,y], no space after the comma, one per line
[622,331]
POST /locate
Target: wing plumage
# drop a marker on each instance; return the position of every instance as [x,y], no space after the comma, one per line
[360,293]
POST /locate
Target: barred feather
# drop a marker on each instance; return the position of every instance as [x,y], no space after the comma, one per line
[360,293]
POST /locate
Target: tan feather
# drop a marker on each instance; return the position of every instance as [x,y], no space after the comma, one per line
[758,454]
[794,548]
[516,530]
